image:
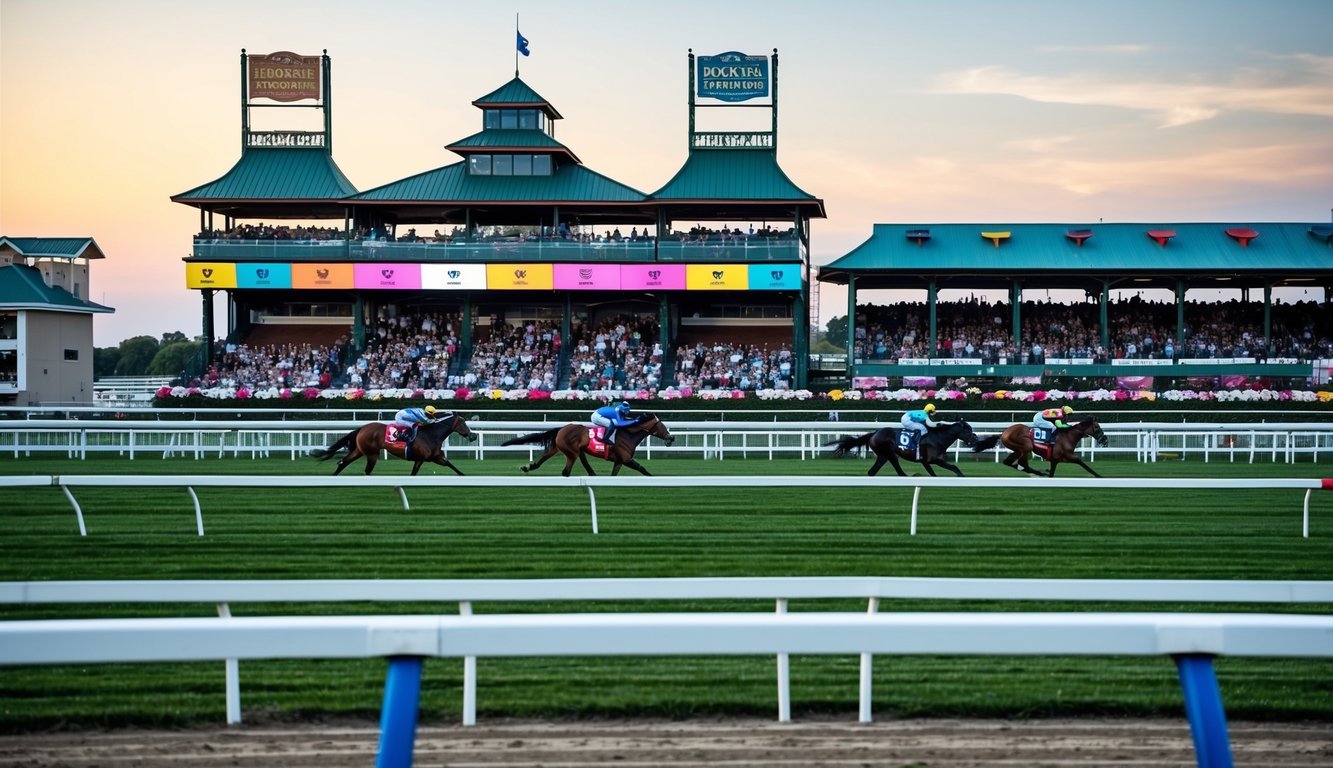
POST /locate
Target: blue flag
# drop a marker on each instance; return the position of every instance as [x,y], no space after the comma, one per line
[522,44]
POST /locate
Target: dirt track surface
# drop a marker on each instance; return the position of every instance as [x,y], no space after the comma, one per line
[732,743]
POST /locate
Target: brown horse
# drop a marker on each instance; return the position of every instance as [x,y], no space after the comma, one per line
[428,445]
[934,447]
[573,440]
[1018,439]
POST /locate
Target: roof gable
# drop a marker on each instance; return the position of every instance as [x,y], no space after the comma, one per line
[275,174]
[54,247]
[517,93]
[22,287]
[734,174]
[452,183]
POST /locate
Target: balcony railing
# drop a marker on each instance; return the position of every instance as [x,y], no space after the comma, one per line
[553,249]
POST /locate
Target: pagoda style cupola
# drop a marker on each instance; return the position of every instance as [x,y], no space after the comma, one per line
[517,135]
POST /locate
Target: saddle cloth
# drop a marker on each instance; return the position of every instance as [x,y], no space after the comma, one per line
[391,434]
[1041,441]
[907,439]
[597,442]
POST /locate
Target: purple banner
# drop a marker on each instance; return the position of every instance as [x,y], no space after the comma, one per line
[652,277]
[587,277]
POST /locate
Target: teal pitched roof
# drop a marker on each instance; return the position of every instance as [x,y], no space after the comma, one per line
[517,93]
[1196,249]
[306,177]
[22,287]
[751,180]
[54,247]
[511,139]
[452,183]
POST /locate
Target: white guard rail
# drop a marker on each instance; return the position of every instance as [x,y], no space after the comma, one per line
[1146,441]
[401,483]
[1191,639]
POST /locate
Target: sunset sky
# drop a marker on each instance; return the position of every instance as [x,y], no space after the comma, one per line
[891,111]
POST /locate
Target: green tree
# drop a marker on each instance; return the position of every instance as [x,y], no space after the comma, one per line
[135,355]
[171,337]
[836,330]
[105,360]
[171,359]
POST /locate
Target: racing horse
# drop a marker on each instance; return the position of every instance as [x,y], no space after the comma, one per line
[933,448]
[427,445]
[575,440]
[1018,439]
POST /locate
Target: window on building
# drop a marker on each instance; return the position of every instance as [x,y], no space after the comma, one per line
[522,165]
[527,118]
[508,118]
[502,165]
[541,165]
[9,325]
[490,118]
[479,165]
[72,354]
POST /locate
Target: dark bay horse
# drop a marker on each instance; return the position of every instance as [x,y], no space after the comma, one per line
[573,440]
[933,448]
[428,445]
[1018,439]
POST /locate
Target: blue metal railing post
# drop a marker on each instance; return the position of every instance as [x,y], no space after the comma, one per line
[398,716]
[1203,707]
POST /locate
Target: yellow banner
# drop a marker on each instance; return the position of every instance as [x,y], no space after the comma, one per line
[717,277]
[204,275]
[520,277]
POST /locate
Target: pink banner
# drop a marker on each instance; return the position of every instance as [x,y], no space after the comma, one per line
[1134,382]
[388,276]
[652,277]
[587,277]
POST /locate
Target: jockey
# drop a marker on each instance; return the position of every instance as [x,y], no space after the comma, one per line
[920,422]
[1052,418]
[408,419]
[610,417]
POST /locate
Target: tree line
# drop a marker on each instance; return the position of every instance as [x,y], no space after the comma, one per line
[146,356]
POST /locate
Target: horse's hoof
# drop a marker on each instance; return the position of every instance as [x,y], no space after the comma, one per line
[524,470]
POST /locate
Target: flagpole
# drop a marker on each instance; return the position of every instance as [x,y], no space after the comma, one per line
[516,34]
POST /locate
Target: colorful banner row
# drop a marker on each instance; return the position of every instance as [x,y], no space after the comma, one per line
[497,277]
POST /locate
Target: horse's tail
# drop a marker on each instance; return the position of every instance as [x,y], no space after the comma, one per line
[985,443]
[545,438]
[848,443]
[328,453]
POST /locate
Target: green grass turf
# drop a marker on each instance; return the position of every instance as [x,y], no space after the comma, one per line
[518,532]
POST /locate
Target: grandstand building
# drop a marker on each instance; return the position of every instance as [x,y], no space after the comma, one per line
[516,232]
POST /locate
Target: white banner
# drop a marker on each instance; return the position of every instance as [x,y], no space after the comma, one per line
[956,361]
[453,277]
[1147,362]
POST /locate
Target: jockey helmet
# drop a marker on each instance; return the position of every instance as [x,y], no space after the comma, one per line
[1067,410]
[430,410]
[623,406]
[930,407]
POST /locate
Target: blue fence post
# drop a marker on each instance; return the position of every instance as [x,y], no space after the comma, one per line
[1203,707]
[398,716]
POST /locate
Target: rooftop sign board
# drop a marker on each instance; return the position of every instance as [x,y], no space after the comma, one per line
[283,76]
[732,76]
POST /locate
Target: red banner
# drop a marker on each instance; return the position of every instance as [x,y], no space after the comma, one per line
[284,76]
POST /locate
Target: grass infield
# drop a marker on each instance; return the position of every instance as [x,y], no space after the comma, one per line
[519,532]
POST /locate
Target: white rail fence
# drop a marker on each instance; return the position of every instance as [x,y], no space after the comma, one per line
[401,483]
[1191,638]
[1146,441]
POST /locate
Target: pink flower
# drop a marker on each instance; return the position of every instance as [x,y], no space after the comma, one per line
[164,392]
[1039,395]
[285,393]
[987,395]
[538,394]
[311,393]
[463,393]
[242,394]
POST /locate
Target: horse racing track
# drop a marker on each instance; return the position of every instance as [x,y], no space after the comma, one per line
[521,533]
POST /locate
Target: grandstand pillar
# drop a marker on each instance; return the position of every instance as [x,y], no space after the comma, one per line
[566,341]
[1180,315]
[208,329]
[1016,298]
[932,294]
[664,326]
[800,342]
[1106,327]
[465,331]
[359,323]
[1268,320]
[851,324]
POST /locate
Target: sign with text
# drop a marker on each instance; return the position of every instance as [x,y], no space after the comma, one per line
[205,275]
[325,276]
[453,277]
[717,277]
[775,277]
[283,76]
[381,276]
[652,277]
[264,276]
[587,277]
[732,76]
[520,277]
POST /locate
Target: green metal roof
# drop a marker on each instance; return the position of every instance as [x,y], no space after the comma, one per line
[54,247]
[284,174]
[452,183]
[22,287]
[736,175]
[1197,249]
[510,139]
[517,93]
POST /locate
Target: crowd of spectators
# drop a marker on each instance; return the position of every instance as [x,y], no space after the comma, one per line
[728,234]
[619,352]
[724,365]
[277,366]
[262,231]
[514,356]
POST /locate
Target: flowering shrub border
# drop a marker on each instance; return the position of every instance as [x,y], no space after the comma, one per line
[166,395]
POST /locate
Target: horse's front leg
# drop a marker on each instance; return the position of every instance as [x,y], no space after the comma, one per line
[583,457]
[946,465]
[635,465]
[444,462]
[1080,462]
[930,471]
